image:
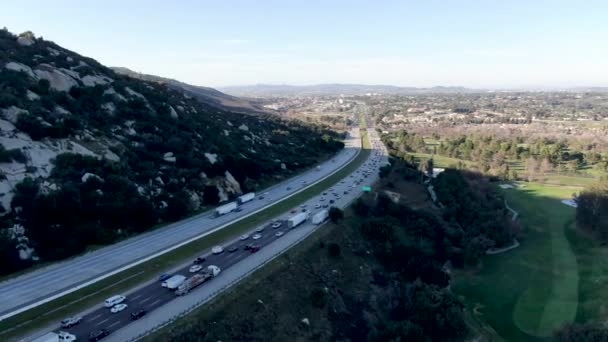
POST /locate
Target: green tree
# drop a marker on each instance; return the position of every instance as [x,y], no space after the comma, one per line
[335,214]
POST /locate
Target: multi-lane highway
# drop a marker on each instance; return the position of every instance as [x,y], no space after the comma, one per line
[37,287]
[152,296]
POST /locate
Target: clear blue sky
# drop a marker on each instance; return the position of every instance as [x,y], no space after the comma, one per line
[484,43]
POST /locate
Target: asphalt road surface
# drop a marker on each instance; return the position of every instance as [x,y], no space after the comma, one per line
[37,286]
[153,296]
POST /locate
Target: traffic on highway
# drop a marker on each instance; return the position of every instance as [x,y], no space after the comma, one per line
[24,292]
[120,310]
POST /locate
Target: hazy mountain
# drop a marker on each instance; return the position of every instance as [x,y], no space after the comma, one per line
[88,155]
[207,95]
[261,90]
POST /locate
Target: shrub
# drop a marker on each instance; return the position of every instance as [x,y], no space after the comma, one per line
[317,298]
[334,250]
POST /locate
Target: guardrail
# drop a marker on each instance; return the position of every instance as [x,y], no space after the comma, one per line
[210,297]
[175,246]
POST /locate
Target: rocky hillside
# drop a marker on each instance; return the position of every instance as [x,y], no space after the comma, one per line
[88,156]
[206,95]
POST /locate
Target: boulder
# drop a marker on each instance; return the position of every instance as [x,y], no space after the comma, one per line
[89,175]
[20,67]
[244,127]
[91,81]
[173,113]
[211,157]
[25,40]
[58,80]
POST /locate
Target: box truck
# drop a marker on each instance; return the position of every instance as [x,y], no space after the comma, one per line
[296,220]
[225,209]
[320,217]
[174,282]
[197,279]
[246,197]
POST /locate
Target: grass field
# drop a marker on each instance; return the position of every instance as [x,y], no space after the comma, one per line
[73,303]
[529,292]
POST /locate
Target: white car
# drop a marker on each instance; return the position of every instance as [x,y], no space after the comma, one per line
[276,225]
[259,229]
[118,308]
[317,206]
[257,236]
[195,268]
[279,234]
[217,250]
[244,237]
[322,199]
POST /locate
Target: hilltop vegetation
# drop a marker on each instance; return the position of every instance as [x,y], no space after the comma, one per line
[89,156]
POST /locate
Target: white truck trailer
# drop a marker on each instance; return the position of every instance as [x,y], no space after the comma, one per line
[226,208]
[174,282]
[246,197]
[197,279]
[296,220]
[61,336]
[320,217]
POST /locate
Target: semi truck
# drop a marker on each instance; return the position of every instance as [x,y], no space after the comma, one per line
[61,336]
[296,220]
[320,217]
[246,197]
[174,282]
[225,209]
[197,279]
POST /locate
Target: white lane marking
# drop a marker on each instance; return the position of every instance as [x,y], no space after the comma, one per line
[145,300]
[105,320]
[94,318]
[113,324]
[135,297]
[154,302]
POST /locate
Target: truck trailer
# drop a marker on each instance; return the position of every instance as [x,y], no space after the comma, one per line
[226,208]
[61,336]
[296,220]
[320,217]
[197,279]
[174,282]
[246,197]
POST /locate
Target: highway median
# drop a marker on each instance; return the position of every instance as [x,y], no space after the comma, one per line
[46,314]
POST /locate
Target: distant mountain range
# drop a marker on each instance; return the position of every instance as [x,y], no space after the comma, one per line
[206,95]
[260,90]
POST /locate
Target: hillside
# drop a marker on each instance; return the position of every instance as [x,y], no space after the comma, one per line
[206,95]
[89,156]
[264,90]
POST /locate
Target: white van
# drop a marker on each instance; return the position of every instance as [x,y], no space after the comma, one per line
[110,302]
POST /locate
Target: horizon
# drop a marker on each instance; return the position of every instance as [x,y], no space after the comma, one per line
[515,45]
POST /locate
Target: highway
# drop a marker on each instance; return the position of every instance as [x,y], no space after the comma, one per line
[42,285]
[152,296]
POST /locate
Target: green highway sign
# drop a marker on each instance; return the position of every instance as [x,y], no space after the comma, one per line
[366,189]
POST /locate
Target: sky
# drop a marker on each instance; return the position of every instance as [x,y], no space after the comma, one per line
[421,43]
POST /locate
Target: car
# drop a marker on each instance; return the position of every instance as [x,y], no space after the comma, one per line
[217,250]
[293,211]
[164,277]
[279,234]
[276,225]
[325,206]
[255,248]
[331,201]
[195,268]
[261,197]
[233,249]
[138,314]
[257,236]
[244,237]
[98,335]
[337,196]
[70,322]
[199,260]
[317,206]
[259,229]
[249,246]
[322,199]
[288,188]
[238,209]
[304,210]
[303,206]
[325,193]
[118,308]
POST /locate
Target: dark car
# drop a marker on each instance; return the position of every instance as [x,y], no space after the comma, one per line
[199,260]
[138,314]
[249,246]
[255,248]
[331,201]
[233,249]
[164,277]
[98,335]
